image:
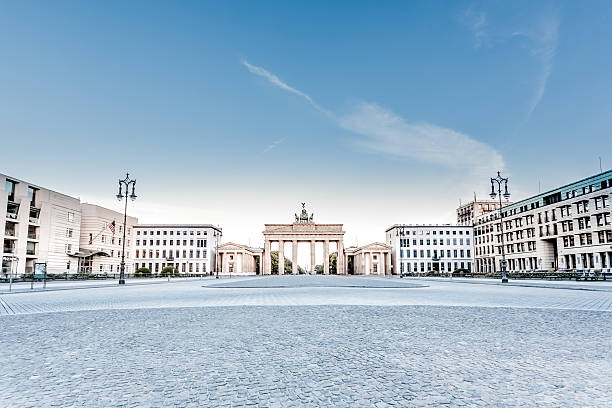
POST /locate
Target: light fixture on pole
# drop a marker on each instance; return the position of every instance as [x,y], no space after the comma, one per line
[498,181]
[127,182]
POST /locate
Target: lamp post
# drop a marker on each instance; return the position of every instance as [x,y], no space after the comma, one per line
[217,234]
[400,231]
[120,196]
[499,180]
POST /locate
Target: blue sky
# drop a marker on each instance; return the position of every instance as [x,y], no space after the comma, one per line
[374,113]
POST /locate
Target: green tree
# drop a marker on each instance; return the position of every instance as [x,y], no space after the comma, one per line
[142,272]
[274,262]
[169,271]
[319,269]
[333,263]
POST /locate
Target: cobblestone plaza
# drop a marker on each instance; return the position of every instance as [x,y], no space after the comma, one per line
[308,341]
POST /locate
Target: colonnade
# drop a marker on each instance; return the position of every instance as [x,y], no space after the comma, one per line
[267,261]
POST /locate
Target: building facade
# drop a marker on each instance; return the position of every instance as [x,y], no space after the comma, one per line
[39,226]
[371,259]
[565,228]
[418,249]
[469,212]
[101,240]
[237,259]
[190,248]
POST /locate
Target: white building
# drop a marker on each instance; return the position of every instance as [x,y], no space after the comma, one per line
[191,248]
[467,213]
[101,240]
[423,248]
[39,226]
[565,228]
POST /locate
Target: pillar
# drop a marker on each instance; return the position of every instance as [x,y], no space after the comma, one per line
[294,249]
[326,257]
[389,269]
[281,257]
[340,265]
[312,258]
[381,264]
[369,271]
[267,260]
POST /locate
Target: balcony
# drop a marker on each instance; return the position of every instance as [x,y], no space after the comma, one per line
[9,247]
[12,210]
[9,229]
[32,232]
[34,215]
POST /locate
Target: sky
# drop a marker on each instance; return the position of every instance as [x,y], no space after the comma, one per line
[372,113]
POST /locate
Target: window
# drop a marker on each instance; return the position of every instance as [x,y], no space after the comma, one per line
[69,233]
[70,216]
[68,248]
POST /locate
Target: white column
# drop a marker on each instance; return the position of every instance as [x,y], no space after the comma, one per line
[340,265]
[381,263]
[370,268]
[281,257]
[326,257]
[312,257]
[267,260]
[294,249]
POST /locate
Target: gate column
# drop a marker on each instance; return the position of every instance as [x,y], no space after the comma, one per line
[281,257]
[312,258]
[294,269]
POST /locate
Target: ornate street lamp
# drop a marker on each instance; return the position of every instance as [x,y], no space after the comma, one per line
[499,180]
[216,234]
[120,196]
[400,231]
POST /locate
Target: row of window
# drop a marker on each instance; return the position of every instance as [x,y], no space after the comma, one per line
[405,242]
[407,267]
[138,232]
[188,267]
[199,243]
[170,254]
[434,232]
[557,197]
[415,254]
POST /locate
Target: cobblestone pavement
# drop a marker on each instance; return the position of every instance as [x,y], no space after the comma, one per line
[325,353]
[313,290]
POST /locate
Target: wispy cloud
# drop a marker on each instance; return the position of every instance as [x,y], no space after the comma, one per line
[477,22]
[384,132]
[542,44]
[273,145]
[277,82]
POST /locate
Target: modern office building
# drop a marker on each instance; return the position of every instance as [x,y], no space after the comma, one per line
[469,212]
[101,240]
[40,226]
[423,248]
[565,228]
[190,248]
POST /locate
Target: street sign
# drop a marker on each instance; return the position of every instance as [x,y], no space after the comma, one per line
[40,270]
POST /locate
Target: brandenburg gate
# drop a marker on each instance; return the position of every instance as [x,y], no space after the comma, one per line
[303,230]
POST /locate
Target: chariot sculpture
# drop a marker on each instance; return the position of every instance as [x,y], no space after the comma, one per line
[304,217]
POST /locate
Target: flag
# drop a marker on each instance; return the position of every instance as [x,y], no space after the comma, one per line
[111,227]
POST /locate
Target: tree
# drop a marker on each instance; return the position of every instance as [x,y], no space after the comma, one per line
[142,272]
[333,263]
[319,269]
[169,271]
[274,263]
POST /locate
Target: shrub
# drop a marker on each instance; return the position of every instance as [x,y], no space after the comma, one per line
[461,272]
[169,271]
[142,272]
